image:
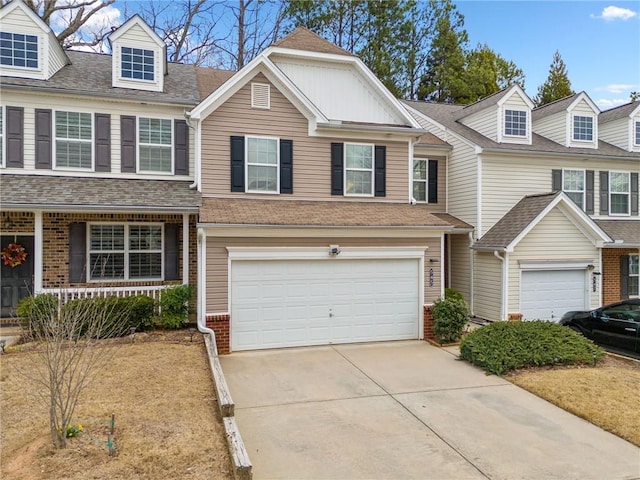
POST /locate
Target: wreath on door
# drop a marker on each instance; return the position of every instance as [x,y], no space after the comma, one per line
[14,255]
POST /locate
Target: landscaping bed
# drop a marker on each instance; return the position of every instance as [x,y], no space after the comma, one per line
[167,425]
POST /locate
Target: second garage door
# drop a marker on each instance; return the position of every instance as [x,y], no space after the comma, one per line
[549,294]
[314,302]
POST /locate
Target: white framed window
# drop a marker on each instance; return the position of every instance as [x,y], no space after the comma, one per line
[515,123]
[420,173]
[2,142]
[583,128]
[263,164]
[125,251]
[358,169]
[634,275]
[155,145]
[137,64]
[619,193]
[260,95]
[637,135]
[18,50]
[573,184]
[74,140]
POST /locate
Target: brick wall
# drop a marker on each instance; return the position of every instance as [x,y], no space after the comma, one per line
[22,222]
[611,272]
[429,332]
[220,324]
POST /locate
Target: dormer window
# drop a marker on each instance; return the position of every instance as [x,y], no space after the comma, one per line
[137,64]
[583,128]
[18,50]
[637,136]
[515,123]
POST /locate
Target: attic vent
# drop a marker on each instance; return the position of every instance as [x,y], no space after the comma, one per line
[260,95]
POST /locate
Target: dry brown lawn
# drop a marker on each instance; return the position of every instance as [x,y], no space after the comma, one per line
[167,421]
[607,395]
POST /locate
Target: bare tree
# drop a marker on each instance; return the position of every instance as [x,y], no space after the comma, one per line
[70,351]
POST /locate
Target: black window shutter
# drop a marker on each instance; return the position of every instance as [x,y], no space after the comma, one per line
[77,252]
[556,180]
[433,181]
[380,180]
[181,147]
[286,166]
[43,139]
[604,193]
[237,164]
[337,168]
[634,194]
[624,276]
[15,137]
[128,144]
[589,192]
[171,261]
[103,142]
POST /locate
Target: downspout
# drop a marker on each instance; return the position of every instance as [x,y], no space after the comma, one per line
[504,284]
[201,285]
[196,142]
[471,273]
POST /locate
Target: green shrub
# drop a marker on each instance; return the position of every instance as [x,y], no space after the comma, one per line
[449,318]
[174,306]
[34,311]
[503,346]
[453,294]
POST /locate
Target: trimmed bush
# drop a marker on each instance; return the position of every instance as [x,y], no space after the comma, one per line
[450,293]
[37,310]
[449,318]
[503,346]
[174,306]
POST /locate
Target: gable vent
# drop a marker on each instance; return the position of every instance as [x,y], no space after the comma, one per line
[260,95]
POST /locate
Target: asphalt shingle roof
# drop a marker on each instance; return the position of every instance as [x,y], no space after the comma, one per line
[553,107]
[625,231]
[210,79]
[242,211]
[507,229]
[304,39]
[95,192]
[623,111]
[90,74]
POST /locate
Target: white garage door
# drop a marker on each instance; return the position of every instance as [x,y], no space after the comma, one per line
[549,294]
[315,302]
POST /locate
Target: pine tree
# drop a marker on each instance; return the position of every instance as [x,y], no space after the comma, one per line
[557,85]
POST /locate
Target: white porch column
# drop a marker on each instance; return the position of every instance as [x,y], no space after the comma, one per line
[185,248]
[37,246]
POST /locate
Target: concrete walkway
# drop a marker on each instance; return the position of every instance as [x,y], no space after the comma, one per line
[403,410]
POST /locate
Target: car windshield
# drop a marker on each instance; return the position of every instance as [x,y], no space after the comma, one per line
[623,311]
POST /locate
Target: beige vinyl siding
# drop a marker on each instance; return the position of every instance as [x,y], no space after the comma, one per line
[553,127]
[487,285]
[484,121]
[515,102]
[582,108]
[506,180]
[33,101]
[557,239]
[217,262]
[136,37]
[616,132]
[57,58]
[311,155]
[441,206]
[460,258]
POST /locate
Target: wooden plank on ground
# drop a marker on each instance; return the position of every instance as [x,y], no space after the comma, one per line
[239,456]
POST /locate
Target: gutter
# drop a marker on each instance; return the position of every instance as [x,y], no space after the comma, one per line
[538,153]
[96,208]
[370,128]
[503,308]
[445,228]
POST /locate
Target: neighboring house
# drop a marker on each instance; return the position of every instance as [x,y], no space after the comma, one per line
[553,195]
[323,214]
[97,163]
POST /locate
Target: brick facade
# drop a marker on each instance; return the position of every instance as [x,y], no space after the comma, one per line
[611,272]
[429,332]
[22,222]
[219,323]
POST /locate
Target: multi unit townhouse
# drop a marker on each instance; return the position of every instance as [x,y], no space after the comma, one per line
[306,203]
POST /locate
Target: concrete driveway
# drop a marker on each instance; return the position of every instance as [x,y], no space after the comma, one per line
[402,410]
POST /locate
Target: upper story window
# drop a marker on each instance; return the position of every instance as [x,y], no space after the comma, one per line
[18,50]
[74,135]
[637,136]
[155,145]
[137,64]
[619,193]
[420,179]
[634,275]
[358,169]
[573,185]
[125,251]
[262,165]
[583,128]
[515,123]
[1,136]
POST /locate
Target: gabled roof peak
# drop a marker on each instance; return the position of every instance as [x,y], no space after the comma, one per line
[563,104]
[304,39]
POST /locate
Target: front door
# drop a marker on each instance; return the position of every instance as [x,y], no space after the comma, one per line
[16,282]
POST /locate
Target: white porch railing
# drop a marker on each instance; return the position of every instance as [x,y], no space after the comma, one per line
[67,294]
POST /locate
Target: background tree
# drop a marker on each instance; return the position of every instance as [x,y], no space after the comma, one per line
[634,96]
[557,85]
[421,19]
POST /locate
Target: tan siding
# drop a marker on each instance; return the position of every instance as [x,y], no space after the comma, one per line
[487,285]
[555,238]
[217,261]
[506,180]
[30,102]
[57,58]
[311,155]
[616,133]
[554,127]
[460,265]
[485,122]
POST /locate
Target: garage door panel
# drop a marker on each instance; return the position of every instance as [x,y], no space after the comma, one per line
[549,294]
